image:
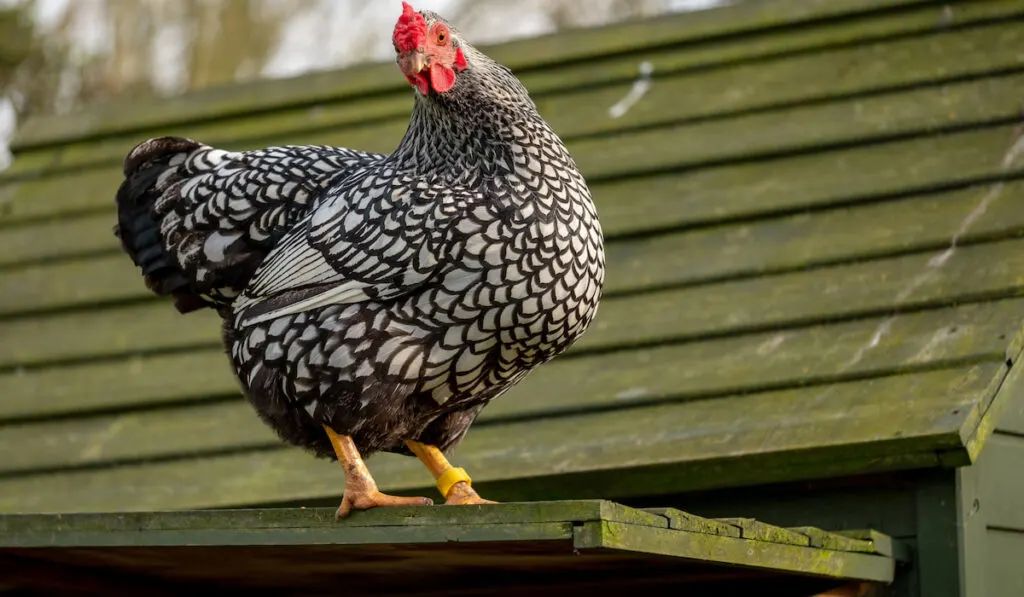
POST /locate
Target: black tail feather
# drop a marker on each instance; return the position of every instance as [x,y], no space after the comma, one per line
[198,220]
[137,226]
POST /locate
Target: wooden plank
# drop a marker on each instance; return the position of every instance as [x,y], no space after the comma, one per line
[759,531]
[439,548]
[918,223]
[1003,485]
[350,535]
[67,195]
[748,137]
[135,382]
[247,526]
[969,273]
[880,543]
[1003,573]
[782,435]
[671,60]
[821,538]
[66,237]
[520,55]
[741,552]
[714,368]
[784,82]
[775,245]
[113,331]
[646,319]
[645,203]
[684,521]
[981,424]
[702,93]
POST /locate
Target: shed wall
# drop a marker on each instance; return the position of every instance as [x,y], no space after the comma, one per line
[1003,502]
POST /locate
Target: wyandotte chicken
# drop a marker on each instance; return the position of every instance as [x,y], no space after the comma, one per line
[378,302]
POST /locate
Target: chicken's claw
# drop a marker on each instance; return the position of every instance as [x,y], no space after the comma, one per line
[462,494]
[362,499]
[361,491]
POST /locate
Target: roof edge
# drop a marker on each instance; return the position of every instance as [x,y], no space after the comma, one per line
[982,423]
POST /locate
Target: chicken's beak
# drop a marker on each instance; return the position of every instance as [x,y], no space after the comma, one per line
[417,62]
[412,62]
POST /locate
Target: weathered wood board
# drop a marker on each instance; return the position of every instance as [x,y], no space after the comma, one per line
[404,551]
[832,429]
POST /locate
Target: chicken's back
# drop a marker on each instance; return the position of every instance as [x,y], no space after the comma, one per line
[199,220]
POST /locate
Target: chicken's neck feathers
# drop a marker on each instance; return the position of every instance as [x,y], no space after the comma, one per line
[488,133]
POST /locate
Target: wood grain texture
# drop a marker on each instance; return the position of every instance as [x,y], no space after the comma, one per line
[787,433]
[743,552]
[522,55]
[237,526]
[787,301]
[616,380]
[769,245]
[971,273]
[704,196]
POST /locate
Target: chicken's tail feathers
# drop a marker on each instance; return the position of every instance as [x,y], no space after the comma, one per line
[138,226]
[199,220]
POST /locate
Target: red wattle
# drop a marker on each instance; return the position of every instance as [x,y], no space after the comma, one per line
[421,83]
[442,77]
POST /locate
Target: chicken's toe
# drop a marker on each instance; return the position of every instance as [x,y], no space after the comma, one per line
[462,494]
[364,500]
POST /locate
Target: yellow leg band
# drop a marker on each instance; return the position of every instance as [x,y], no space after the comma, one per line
[450,477]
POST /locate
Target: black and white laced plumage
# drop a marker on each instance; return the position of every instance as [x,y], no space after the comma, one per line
[387,297]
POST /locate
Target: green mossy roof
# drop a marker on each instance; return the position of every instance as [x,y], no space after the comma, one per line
[815,269]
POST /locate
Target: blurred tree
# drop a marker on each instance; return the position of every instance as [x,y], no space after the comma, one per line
[97,50]
[15,40]
[23,78]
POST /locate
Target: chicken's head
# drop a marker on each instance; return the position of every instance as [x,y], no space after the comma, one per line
[428,54]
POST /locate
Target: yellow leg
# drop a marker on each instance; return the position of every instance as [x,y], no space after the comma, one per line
[454,484]
[360,489]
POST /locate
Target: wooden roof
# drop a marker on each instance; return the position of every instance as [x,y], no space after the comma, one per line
[544,548]
[814,251]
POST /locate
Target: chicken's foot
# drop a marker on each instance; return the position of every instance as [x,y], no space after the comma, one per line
[454,484]
[361,491]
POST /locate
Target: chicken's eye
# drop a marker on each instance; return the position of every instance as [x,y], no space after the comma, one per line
[442,36]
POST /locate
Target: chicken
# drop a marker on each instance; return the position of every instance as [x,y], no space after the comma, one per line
[377,303]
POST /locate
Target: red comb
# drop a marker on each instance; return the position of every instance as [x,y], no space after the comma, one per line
[410,31]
